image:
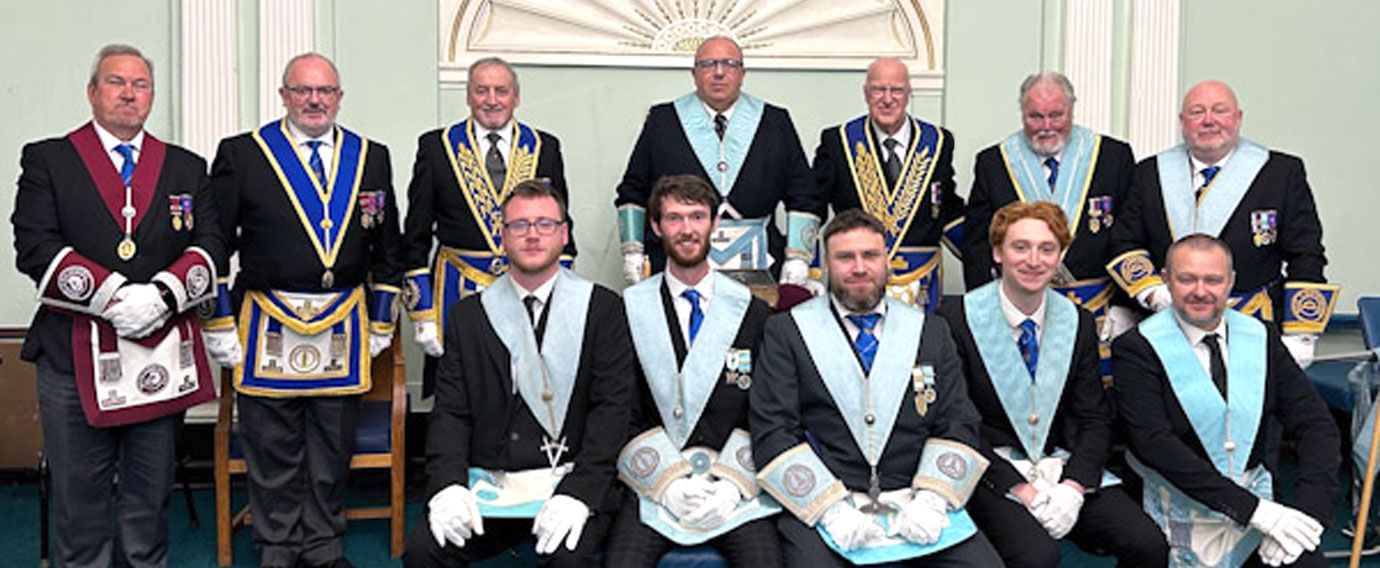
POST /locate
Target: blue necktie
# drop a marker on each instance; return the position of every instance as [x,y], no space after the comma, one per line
[1208,173]
[317,168]
[866,343]
[126,168]
[1030,347]
[696,315]
[1053,166]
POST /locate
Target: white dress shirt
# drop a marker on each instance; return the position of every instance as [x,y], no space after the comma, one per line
[326,151]
[109,142]
[682,304]
[543,294]
[853,330]
[505,140]
[1014,316]
[1195,337]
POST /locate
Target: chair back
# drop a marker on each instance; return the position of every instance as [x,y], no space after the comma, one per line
[1369,308]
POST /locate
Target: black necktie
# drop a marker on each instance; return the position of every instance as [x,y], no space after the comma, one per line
[493,161]
[531,302]
[720,125]
[891,166]
[1215,363]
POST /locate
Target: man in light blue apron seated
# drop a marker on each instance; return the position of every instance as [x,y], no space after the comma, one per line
[531,405]
[1031,358]
[689,464]
[861,424]
[1198,414]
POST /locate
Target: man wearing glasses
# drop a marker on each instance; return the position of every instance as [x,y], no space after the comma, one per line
[309,206]
[747,149]
[531,405]
[899,169]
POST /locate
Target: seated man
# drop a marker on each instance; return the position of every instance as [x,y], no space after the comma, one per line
[696,334]
[1197,415]
[1030,355]
[861,424]
[532,399]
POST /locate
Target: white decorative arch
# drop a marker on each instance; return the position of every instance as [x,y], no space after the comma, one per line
[774,34]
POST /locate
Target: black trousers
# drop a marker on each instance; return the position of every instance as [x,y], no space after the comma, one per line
[632,544]
[298,451]
[1110,522]
[802,546]
[500,535]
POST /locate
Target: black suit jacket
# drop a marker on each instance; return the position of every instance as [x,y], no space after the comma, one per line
[774,171]
[1082,423]
[1088,254]
[1162,437]
[57,205]
[480,421]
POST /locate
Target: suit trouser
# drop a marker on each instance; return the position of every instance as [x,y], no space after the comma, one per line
[298,451]
[802,546]
[84,464]
[1109,521]
[753,544]
[499,536]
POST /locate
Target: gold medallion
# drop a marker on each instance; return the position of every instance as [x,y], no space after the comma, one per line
[1094,225]
[126,249]
[177,221]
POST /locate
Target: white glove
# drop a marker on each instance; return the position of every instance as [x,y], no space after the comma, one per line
[454,516]
[849,527]
[378,342]
[1272,553]
[1301,346]
[1119,320]
[1059,512]
[795,271]
[683,496]
[922,519]
[562,517]
[1155,298]
[223,345]
[634,265]
[719,502]
[137,311]
[1292,529]
[426,336]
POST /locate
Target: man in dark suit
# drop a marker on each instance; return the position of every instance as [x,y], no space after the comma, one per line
[900,170]
[1256,200]
[696,334]
[1030,356]
[1197,413]
[747,149]
[319,275]
[531,405]
[119,231]
[459,178]
[861,423]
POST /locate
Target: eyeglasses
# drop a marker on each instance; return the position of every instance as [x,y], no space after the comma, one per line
[544,226]
[879,91]
[710,64]
[304,92]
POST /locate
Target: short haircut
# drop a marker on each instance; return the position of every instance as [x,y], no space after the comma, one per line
[1200,242]
[533,188]
[684,188]
[1051,77]
[308,55]
[1045,211]
[492,62]
[112,50]
[848,220]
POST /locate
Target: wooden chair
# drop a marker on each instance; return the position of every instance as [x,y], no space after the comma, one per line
[379,444]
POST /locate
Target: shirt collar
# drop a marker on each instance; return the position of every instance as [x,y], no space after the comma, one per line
[505,132]
[902,135]
[327,139]
[1014,316]
[728,112]
[705,286]
[1198,165]
[880,309]
[109,141]
[543,292]
[1196,334]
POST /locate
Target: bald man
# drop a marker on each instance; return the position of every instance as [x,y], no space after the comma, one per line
[899,169]
[1256,200]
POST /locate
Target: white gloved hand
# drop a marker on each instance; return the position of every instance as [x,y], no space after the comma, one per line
[719,502]
[427,337]
[795,271]
[562,517]
[136,311]
[1059,512]
[634,266]
[378,342]
[849,527]
[1272,554]
[1155,298]
[683,496]
[1302,347]
[1119,320]
[1292,529]
[223,345]
[922,519]
[453,515]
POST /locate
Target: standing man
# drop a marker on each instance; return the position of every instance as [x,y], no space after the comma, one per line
[898,169]
[861,423]
[461,175]
[531,405]
[747,149]
[1197,414]
[1030,355]
[1256,200]
[696,334]
[117,344]
[1087,175]
[309,206]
